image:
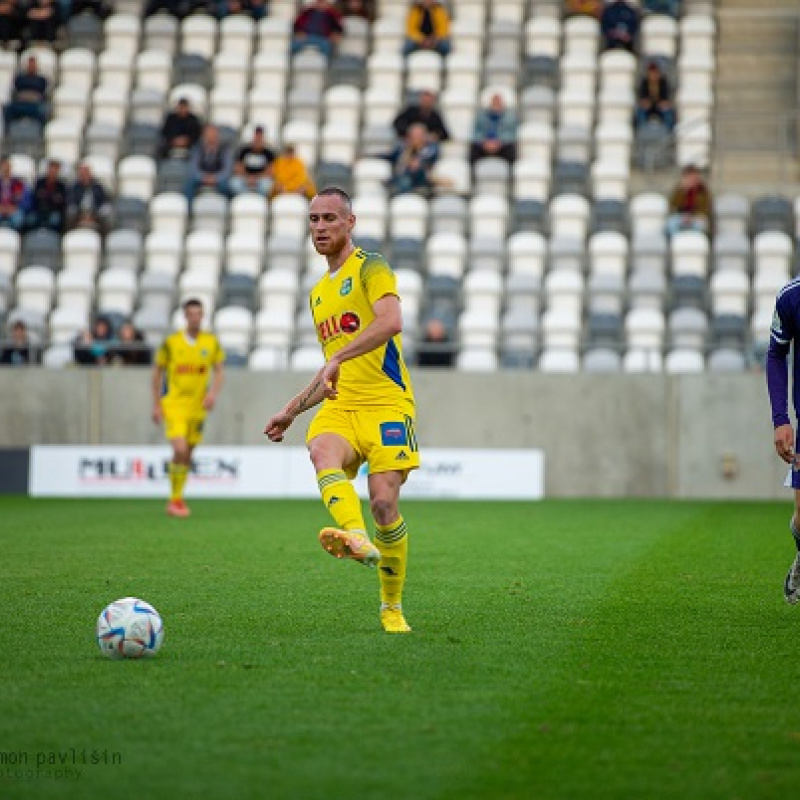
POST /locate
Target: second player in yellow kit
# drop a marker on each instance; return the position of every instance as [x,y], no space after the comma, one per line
[186,380]
[367,412]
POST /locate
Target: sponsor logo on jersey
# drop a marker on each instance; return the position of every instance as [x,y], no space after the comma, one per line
[401,456]
[349,323]
[333,326]
[318,301]
[346,287]
[190,369]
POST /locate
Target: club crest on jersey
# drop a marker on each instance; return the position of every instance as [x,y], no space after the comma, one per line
[346,287]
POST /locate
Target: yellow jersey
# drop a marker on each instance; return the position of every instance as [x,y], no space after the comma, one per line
[341,304]
[187,365]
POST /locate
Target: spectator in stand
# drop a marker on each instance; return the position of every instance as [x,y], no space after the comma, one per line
[436,349]
[591,8]
[654,98]
[29,97]
[357,8]
[427,28]
[15,198]
[424,112]
[18,351]
[43,18]
[319,25]
[412,161]
[100,8]
[88,205]
[131,350]
[690,203]
[211,165]
[50,199]
[180,131]
[290,174]
[253,168]
[94,348]
[495,132]
[619,24]
[257,9]
[10,21]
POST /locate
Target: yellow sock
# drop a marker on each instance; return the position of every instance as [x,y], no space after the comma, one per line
[178,473]
[392,541]
[340,499]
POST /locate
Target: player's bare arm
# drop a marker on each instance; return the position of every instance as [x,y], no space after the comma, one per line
[784,442]
[311,396]
[156,385]
[388,322]
[210,400]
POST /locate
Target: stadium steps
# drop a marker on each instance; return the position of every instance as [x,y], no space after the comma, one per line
[756,145]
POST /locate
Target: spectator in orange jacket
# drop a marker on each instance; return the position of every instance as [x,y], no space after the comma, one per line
[427,28]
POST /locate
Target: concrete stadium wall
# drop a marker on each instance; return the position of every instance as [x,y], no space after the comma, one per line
[603,436]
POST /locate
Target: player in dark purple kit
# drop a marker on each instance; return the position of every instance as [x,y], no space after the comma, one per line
[785,335]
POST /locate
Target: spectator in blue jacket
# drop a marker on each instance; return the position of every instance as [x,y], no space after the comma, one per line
[495,132]
[87,202]
[619,25]
[210,165]
[29,97]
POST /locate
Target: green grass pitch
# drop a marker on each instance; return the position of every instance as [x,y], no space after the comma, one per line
[614,649]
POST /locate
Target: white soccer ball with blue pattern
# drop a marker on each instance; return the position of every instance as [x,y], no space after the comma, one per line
[129,628]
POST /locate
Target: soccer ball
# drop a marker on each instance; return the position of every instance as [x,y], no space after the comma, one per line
[129,628]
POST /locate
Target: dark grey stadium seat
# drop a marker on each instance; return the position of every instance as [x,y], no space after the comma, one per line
[192,68]
[131,213]
[43,248]
[141,139]
[334,174]
[238,290]
[689,290]
[235,360]
[348,69]
[610,215]
[773,214]
[85,30]
[541,71]
[408,253]
[24,136]
[530,215]
[570,177]
[729,331]
[369,244]
[172,175]
[605,330]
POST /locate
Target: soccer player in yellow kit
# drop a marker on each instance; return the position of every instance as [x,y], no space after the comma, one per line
[182,395]
[367,412]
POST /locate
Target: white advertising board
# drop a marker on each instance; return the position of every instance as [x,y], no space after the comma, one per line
[273,471]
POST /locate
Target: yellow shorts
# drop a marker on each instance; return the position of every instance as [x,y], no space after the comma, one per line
[384,438]
[180,425]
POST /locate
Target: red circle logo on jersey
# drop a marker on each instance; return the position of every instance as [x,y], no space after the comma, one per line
[349,323]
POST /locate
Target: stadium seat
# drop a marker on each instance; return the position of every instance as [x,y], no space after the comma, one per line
[117,291]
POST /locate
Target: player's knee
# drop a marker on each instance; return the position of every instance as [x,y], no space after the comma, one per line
[319,457]
[384,509]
